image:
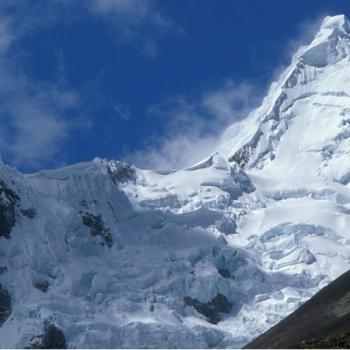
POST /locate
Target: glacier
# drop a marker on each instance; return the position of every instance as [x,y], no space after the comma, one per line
[212,255]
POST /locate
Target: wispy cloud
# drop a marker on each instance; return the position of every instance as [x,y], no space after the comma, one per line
[121,111]
[31,113]
[193,125]
[38,118]
[33,128]
[304,32]
[138,23]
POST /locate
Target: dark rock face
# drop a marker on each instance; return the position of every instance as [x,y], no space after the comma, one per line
[242,156]
[338,341]
[43,286]
[97,227]
[3,269]
[5,305]
[29,213]
[224,272]
[53,338]
[120,172]
[244,183]
[8,201]
[212,309]
[226,226]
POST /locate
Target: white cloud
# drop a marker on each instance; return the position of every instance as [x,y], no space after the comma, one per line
[175,152]
[6,35]
[194,125]
[34,118]
[37,134]
[122,111]
[33,128]
[139,23]
[231,102]
[131,13]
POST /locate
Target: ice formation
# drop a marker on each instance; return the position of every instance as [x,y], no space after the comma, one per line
[104,254]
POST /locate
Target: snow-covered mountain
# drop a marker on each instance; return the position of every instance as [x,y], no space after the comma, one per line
[102,254]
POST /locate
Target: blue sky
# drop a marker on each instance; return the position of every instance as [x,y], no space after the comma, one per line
[152,82]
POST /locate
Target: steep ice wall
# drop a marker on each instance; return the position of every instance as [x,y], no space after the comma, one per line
[305,116]
[113,256]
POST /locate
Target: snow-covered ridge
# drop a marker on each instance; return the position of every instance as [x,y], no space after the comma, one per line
[317,75]
[109,255]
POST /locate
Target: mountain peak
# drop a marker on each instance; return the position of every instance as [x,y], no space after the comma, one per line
[312,90]
[339,22]
[330,44]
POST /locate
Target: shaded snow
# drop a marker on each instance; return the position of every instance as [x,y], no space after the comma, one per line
[117,251]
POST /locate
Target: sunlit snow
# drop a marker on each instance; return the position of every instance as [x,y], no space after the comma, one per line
[263,221]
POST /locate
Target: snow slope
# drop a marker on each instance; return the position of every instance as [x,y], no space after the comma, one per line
[208,256]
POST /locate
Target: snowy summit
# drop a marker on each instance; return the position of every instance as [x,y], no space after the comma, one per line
[103,254]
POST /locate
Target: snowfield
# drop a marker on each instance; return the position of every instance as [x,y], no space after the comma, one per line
[208,256]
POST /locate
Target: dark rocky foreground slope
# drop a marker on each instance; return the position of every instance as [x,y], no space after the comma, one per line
[322,322]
